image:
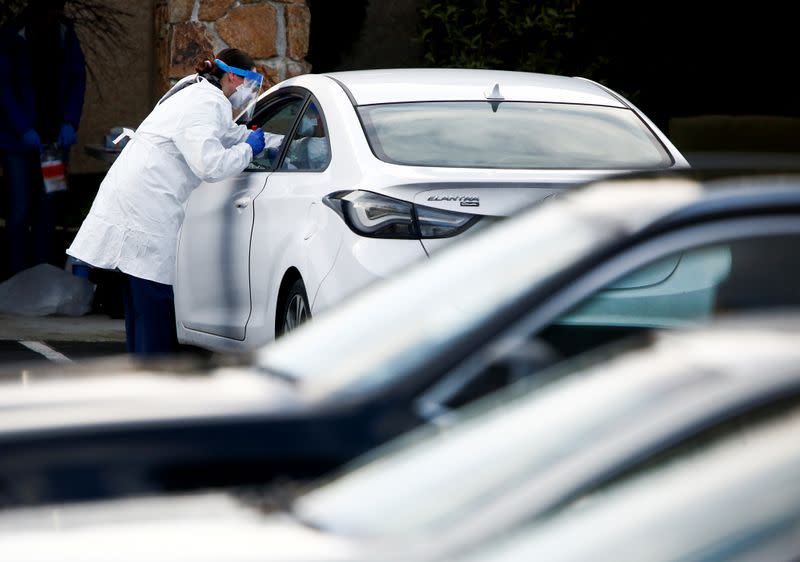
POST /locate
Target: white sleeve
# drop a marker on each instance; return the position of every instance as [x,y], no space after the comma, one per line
[198,138]
[235,135]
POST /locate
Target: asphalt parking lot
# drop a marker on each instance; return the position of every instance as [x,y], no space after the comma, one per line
[59,339]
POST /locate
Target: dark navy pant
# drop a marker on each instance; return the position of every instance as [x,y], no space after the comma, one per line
[149,317]
[28,207]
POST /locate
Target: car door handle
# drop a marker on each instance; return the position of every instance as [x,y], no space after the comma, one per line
[242,203]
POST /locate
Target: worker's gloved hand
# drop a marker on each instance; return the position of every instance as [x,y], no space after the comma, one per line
[256,141]
[31,139]
[67,135]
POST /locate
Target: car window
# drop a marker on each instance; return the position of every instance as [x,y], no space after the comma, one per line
[309,148]
[479,134]
[276,119]
[679,290]
[675,291]
[693,286]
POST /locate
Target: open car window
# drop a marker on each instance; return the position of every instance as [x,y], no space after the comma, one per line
[276,119]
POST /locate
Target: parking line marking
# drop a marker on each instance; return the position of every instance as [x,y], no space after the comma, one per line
[47,351]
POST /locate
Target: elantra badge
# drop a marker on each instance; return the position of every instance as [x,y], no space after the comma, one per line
[463,200]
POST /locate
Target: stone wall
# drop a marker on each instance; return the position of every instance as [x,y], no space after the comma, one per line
[274,32]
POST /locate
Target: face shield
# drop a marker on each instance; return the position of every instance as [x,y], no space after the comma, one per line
[243,99]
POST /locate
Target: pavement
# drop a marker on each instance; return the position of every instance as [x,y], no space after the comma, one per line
[58,339]
[87,328]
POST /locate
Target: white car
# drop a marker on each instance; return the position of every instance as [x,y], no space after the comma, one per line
[381,168]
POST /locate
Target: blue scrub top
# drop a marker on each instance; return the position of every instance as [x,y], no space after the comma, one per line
[17,91]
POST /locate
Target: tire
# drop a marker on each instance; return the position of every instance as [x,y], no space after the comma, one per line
[294,309]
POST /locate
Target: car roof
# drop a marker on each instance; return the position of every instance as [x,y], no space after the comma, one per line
[367,87]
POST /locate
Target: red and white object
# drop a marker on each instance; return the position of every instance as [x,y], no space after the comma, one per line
[53,170]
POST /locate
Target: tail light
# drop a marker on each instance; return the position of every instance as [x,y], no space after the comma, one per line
[378,216]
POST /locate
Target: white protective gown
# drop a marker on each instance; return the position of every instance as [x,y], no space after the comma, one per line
[134,221]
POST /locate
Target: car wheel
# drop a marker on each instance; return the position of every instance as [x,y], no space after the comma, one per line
[295,309]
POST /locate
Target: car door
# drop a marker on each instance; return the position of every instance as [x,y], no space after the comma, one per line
[213,266]
[304,237]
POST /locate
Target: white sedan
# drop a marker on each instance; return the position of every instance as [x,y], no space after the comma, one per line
[381,168]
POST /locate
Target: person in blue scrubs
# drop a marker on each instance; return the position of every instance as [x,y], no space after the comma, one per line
[41,100]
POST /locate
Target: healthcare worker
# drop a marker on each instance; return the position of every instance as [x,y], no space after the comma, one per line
[190,137]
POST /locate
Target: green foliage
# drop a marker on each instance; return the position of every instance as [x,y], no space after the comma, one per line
[531,36]
[504,34]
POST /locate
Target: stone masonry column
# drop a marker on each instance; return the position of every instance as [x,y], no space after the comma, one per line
[273,32]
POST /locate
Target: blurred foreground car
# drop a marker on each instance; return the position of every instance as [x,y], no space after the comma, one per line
[380,169]
[737,498]
[593,266]
[601,263]
[519,458]
[531,450]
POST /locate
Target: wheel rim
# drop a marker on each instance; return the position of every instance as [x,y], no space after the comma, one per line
[296,313]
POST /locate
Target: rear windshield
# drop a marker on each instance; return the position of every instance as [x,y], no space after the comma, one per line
[521,135]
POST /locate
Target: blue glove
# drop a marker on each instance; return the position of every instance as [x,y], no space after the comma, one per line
[67,135]
[256,141]
[31,139]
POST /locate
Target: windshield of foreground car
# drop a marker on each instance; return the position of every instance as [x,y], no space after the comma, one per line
[520,135]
